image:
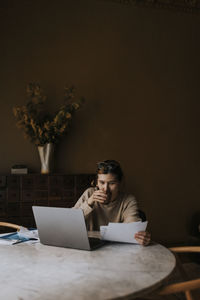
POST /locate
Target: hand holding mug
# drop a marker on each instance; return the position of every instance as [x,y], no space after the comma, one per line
[99,196]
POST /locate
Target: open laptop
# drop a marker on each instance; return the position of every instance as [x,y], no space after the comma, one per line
[64,227]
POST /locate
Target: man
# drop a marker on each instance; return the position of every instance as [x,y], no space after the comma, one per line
[106,202]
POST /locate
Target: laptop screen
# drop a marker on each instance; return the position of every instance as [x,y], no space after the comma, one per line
[63,227]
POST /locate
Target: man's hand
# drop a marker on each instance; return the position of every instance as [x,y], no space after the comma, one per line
[99,196]
[143,237]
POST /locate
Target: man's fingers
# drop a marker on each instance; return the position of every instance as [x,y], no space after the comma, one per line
[142,241]
[143,237]
[99,199]
[100,196]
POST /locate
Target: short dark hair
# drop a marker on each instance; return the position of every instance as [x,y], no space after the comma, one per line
[110,167]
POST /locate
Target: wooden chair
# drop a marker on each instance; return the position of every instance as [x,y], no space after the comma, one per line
[11,225]
[142,215]
[187,285]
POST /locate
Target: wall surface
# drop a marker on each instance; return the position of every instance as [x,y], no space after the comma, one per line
[138,68]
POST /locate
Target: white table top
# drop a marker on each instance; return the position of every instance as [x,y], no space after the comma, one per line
[38,272]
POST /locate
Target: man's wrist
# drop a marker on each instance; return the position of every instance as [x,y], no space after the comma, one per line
[90,202]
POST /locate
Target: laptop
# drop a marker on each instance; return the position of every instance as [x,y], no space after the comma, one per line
[64,227]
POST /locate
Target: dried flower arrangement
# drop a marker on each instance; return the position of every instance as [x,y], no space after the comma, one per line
[40,126]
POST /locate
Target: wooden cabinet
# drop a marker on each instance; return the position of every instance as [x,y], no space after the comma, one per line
[18,193]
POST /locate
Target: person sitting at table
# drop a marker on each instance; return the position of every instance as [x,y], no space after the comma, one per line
[107,202]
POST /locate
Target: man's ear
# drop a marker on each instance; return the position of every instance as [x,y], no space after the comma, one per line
[94,182]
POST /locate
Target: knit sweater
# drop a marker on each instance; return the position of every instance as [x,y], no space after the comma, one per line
[123,209]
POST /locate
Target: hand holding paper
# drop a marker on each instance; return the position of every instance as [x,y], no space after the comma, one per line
[122,232]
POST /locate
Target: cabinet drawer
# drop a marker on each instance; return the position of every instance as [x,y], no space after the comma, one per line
[2,209]
[79,193]
[41,203]
[26,209]
[2,181]
[56,181]
[70,203]
[41,196]
[55,192]
[84,181]
[13,181]
[28,222]
[2,196]
[13,209]
[13,220]
[62,203]
[13,195]
[58,203]
[28,182]
[28,196]
[68,182]
[68,194]
[41,182]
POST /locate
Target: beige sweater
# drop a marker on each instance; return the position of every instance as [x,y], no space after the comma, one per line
[123,209]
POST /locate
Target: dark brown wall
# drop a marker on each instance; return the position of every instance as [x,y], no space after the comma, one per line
[138,69]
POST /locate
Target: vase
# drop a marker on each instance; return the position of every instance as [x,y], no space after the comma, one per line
[46,155]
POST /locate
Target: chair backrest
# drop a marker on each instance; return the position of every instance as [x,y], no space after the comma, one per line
[142,215]
[185,286]
[10,225]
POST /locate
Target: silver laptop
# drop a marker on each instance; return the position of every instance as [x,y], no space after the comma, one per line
[63,227]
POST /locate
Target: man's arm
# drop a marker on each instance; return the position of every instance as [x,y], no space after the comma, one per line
[83,202]
[130,214]
[130,210]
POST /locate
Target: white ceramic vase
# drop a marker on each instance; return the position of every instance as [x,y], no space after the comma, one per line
[46,157]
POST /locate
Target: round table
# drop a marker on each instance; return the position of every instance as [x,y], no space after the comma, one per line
[114,271]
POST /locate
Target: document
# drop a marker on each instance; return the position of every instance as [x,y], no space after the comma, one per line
[122,232]
[23,235]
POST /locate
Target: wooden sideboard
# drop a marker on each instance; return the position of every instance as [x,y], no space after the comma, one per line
[18,193]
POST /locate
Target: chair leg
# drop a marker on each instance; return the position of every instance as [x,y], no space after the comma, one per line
[180,268]
[188,295]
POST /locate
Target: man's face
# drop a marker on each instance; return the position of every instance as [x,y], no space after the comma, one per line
[108,184]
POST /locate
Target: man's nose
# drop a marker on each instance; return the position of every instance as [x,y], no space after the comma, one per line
[106,187]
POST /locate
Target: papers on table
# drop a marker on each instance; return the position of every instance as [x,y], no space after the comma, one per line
[6,241]
[23,235]
[122,232]
[27,233]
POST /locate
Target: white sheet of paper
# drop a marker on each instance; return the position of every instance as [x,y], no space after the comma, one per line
[122,232]
[24,232]
[7,242]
